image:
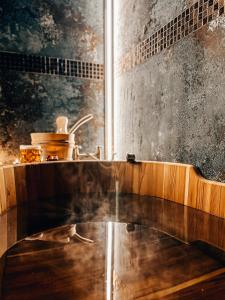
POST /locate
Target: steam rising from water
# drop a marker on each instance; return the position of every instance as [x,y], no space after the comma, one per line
[97,258]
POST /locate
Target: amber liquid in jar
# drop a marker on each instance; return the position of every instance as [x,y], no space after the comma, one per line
[30,154]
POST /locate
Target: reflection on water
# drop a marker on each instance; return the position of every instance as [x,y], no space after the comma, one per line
[126,247]
[63,234]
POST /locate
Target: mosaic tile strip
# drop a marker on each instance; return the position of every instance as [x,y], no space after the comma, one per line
[190,20]
[51,65]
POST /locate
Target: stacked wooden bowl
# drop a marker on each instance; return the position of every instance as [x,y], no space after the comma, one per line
[60,145]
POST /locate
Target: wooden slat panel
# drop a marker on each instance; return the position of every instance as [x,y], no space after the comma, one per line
[124,176]
[193,188]
[96,177]
[3,206]
[206,195]
[152,179]
[47,188]
[222,202]
[33,181]
[10,186]
[3,234]
[21,185]
[11,228]
[137,178]
[176,182]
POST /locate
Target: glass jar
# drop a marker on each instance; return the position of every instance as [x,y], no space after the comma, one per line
[30,154]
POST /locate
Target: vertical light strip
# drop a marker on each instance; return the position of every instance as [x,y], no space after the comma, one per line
[109,79]
[116,106]
[109,261]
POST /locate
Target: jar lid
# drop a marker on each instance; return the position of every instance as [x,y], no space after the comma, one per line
[31,147]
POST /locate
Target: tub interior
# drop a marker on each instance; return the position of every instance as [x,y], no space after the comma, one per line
[112,246]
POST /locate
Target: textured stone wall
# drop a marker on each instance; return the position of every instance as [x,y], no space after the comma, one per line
[172,106]
[29,102]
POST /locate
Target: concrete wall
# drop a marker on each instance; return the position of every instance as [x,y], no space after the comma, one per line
[171,107]
[68,29]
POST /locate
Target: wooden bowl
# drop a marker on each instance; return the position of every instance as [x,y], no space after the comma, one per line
[55,144]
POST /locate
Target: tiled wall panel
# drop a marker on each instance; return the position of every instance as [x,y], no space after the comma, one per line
[51,64]
[190,20]
[170,81]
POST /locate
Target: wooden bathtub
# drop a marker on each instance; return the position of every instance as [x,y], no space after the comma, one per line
[166,224]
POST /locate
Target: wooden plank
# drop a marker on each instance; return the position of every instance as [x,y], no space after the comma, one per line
[192,188]
[11,228]
[179,183]
[3,205]
[206,195]
[124,176]
[3,234]
[182,286]
[10,186]
[174,183]
[152,179]
[20,183]
[33,177]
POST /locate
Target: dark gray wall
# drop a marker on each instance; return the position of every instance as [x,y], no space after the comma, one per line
[71,29]
[172,107]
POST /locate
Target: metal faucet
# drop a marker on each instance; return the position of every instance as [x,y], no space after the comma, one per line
[88,156]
